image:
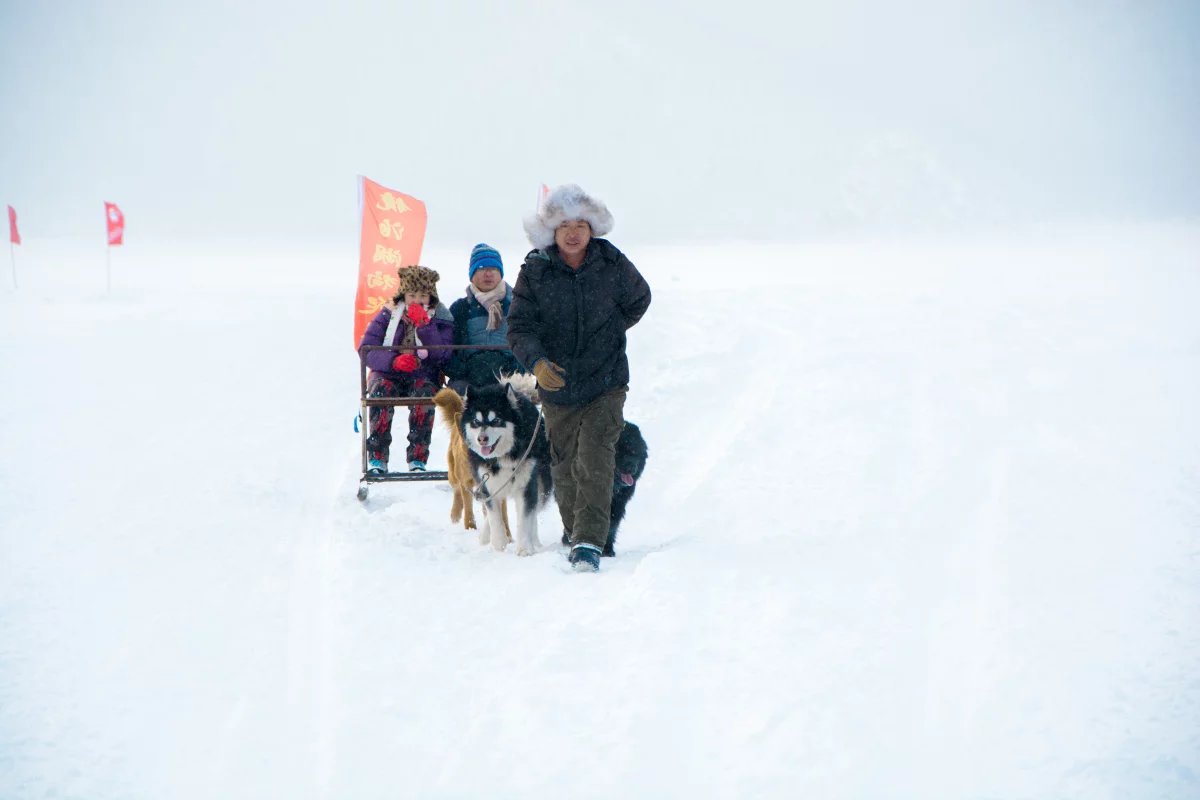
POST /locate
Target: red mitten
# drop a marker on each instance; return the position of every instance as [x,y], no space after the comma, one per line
[405,362]
[417,314]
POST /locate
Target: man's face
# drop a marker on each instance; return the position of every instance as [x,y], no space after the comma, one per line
[486,278]
[572,237]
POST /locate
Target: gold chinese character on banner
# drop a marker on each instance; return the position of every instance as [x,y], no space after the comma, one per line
[382,280]
[386,255]
[390,229]
[390,202]
[373,305]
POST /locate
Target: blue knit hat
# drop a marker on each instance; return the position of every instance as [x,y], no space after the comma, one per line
[484,256]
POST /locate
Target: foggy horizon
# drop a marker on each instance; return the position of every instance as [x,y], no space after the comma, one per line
[754,122]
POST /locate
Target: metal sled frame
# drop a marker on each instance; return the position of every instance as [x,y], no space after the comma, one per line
[367,403]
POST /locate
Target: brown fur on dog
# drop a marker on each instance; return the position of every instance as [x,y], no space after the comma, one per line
[462,480]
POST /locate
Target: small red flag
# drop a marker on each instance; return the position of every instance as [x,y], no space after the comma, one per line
[13,235]
[116,223]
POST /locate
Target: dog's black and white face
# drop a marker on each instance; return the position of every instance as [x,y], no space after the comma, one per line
[488,434]
[489,421]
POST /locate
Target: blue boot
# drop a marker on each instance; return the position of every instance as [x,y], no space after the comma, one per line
[585,558]
[376,466]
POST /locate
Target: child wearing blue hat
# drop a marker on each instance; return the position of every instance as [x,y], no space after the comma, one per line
[481,317]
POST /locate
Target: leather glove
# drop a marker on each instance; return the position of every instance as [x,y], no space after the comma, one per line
[406,362]
[417,315]
[549,375]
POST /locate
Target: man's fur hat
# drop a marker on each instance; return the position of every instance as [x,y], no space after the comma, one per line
[416,279]
[566,203]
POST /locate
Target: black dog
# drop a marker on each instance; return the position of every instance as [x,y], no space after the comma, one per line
[630,463]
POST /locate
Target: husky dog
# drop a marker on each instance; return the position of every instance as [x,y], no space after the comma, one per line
[510,458]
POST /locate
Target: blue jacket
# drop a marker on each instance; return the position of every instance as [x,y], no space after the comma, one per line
[480,367]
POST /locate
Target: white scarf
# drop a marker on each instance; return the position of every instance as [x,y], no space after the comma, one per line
[491,300]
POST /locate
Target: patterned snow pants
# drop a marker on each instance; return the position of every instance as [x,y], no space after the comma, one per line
[420,418]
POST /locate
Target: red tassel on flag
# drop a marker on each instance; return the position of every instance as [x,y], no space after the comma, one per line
[116,223]
[13,235]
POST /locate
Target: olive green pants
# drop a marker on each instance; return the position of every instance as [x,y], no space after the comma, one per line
[583,441]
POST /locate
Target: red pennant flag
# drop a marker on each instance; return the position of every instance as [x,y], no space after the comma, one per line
[13,235]
[116,223]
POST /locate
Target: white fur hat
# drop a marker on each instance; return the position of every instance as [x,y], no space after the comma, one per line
[565,203]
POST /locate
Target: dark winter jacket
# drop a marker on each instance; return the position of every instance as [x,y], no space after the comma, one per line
[440,330]
[480,367]
[577,318]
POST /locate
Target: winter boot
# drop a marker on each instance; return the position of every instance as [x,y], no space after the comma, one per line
[585,558]
[376,466]
[416,466]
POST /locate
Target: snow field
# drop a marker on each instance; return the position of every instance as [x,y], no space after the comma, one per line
[920,521]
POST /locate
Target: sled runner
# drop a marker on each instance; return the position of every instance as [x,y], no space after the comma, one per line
[366,403]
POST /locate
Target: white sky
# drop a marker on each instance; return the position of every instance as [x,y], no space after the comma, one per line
[706,119]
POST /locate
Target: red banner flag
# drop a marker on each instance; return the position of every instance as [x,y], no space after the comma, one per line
[116,223]
[393,230]
[13,235]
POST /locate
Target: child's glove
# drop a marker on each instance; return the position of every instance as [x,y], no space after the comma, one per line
[417,315]
[406,362]
[549,375]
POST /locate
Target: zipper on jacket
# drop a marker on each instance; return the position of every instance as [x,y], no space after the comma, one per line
[578,315]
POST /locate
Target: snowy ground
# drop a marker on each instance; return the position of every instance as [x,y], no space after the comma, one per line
[920,521]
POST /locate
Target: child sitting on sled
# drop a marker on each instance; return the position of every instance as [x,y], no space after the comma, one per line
[481,317]
[415,317]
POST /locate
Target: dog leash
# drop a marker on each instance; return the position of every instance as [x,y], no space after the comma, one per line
[478,490]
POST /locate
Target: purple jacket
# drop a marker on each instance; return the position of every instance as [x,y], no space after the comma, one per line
[440,330]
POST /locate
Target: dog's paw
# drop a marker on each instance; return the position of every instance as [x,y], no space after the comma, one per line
[526,551]
[469,524]
[484,537]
